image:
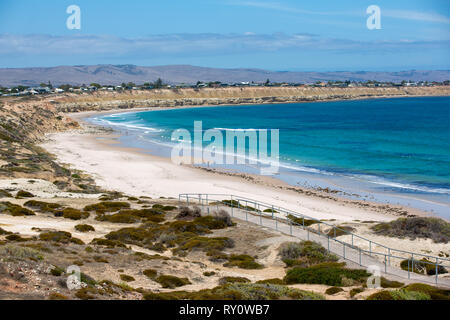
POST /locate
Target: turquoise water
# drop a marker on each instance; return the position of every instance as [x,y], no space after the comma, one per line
[400,145]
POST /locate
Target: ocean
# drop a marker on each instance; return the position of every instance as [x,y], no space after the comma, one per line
[387,150]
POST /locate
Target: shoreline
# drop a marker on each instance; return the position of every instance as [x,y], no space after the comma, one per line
[319,203]
[424,204]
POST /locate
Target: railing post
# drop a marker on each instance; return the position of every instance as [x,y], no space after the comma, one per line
[303,223]
[260,218]
[360,257]
[307,233]
[272,212]
[389,252]
[187,197]
[409,276]
[318,228]
[328,237]
[276,224]
[437,261]
[370,248]
[334,229]
[352,241]
[200,199]
[232,205]
[344,250]
[290,226]
[385,264]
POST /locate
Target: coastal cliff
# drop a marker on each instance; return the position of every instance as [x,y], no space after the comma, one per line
[230,96]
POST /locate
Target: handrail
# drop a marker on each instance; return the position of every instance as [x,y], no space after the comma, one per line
[286,212]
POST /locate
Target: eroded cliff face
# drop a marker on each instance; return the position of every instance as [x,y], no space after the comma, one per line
[229,96]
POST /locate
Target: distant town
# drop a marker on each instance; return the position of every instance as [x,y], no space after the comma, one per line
[48,88]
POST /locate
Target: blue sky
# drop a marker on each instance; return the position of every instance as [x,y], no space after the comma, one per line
[325,35]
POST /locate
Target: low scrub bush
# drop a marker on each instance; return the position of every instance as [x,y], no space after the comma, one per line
[60,237]
[417,227]
[332,274]
[84,228]
[42,206]
[239,291]
[167,281]
[434,292]
[423,266]
[107,206]
[150,273]
[356,291]
[333,290]
[271,281]
[385,283]
[24,194]
[15,210]
[304,253]
[74,214]
[127,278]
[242,261]
[401,294]
[226,280]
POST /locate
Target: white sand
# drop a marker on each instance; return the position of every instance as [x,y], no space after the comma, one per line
[140,174]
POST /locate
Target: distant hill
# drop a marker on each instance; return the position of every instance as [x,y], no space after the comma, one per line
[176,74]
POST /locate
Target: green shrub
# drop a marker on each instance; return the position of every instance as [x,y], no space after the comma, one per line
[4,232]
[333,290]
[331,274]
[209,273]
[401,294]
[226,280]
[167,281]
[434,292]
[381,295]
[5,194]
[355,291]
[108,243]
[86,293]
[107,206]
[57,272]
[24,194]
[84,228]
[57,296]
[304,253]
[239,291]
[271,281]
[16,238]
[422,267]
[242,261]
[14,209]
[150,273]
[417,227]
[385,283]
[74,214]
[59,236]
[127,278]
[42,206]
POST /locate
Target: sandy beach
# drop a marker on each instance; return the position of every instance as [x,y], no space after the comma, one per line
[99,154]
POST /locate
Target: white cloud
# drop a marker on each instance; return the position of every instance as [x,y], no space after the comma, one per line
[416,16]
[190,45]
[398,14]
